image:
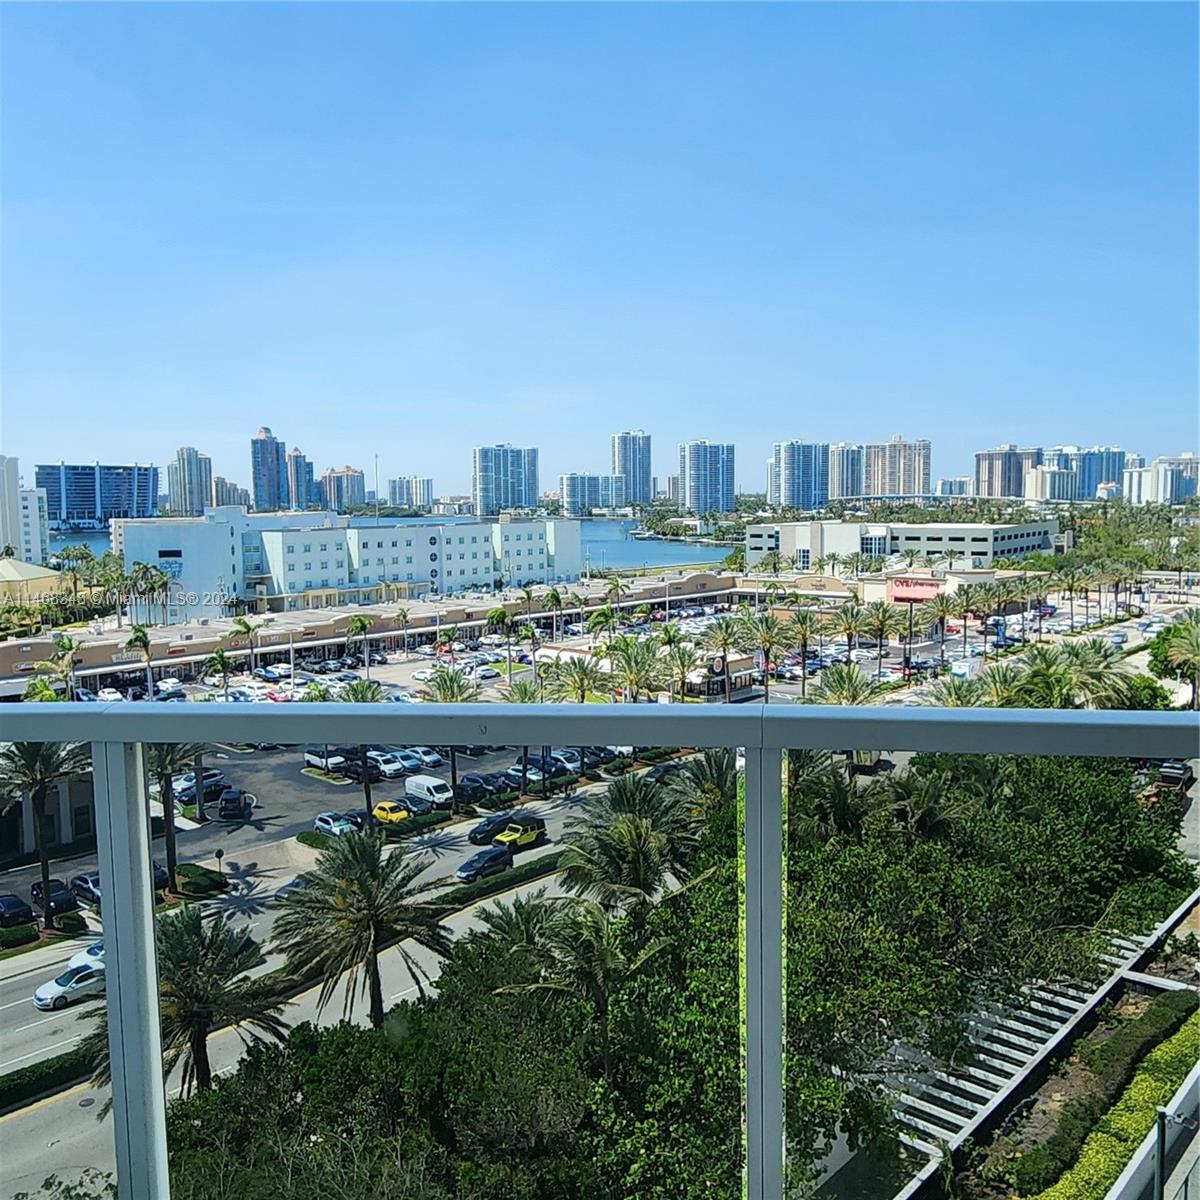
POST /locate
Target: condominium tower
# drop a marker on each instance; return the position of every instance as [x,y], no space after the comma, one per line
[631,459]
[706,477]
[302,490]
[583,492]
[412,492]
[845,470]
[189,482]
[268,471]
[798,475]
[80,495]
[504,477]
[896,468]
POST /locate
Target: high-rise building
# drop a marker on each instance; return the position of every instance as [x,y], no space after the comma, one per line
[89,495]
[189,482]
[706,477]
[268,471]
[673,489]
[1048,482]
[301,485]
[581,493]
[799,475]
[896,468]
[225,493]
[504,477]
[1093,466]
[845,470]
[412,492]
[631,459]
[958,485]
[1164,481]
[344,488]
[24,521]
[1000,473]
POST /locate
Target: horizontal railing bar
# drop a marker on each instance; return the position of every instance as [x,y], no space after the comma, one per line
[963,731]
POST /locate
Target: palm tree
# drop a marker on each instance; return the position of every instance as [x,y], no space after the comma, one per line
[1183,650]
[499,621]
[603,620]
[724,636]
[955,691]
[910,557]
[524,691]
[360,627]
[34,768]
[635,666]
[165,760]
[249,630]
[402,620]
[521,923]
[527,596]
[936,613]
[61,664]
[765,634]
[363,691]
[833,561]
[575,678]
[447,686]
[923,805]
[850,622]
[670,635]
[577,601]
[829,804]
[881,621]
[139,639]
[39,690]
[220,663]
[357,900]
[583,954]
[553,600]
[964,606]
[679,662]
[806,627]
[708,781]
[615,590]
[204,985]
[1070,580]
[1000,685]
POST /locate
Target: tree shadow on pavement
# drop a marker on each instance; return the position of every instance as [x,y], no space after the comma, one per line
[254,889]
[436,842]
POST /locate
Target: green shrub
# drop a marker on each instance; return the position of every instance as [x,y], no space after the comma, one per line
[468,893]
[550,786]
[411,826]
[18,935]
[1114,1058]
[71,922]
[313,839]
[195,880]
[1175,1057]
[50,1075]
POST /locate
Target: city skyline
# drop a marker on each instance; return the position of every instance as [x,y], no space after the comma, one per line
[807,247]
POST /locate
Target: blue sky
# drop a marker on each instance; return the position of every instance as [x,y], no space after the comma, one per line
[410,229]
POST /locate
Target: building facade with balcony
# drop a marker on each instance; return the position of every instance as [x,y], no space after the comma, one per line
[89,495]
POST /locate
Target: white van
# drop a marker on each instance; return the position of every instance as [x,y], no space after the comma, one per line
[430,787]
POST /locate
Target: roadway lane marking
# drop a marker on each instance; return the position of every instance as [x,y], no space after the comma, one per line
[13,1061]
[53,1017]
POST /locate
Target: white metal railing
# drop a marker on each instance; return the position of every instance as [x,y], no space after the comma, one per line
[116,732]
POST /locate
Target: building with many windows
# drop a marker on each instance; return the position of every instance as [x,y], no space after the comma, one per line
[225,493]
[285,562]
[798,475]
[89,495]
[24,520]
[580,493]
[504,477]
[804,542]
[845,470]
[189,482]
[1051,483]
[896,467]
[268,472]
[343,488]
[958,485]
[706,477]
[303,490]
[412,492]
[1000,473]
[1164,481]
[631,460]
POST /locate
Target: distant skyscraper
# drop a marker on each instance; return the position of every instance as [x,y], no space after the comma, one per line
[412,492]
[225,493]
[189,482]
[268,471]
[344,488]
[631,459]
[1097,465]
[896,468]
[845,470]
[706,477]
[1000,473]
[24,523]
[299,474]
[504,477]
[673,489]
[799,474]
[90,494]
[1047,482]
[582,492]
[959,485]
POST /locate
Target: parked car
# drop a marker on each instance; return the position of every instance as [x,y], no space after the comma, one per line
[486,673]
[14,911]
[108,695]
[333,824]
[233,804]
[532,775]
[212,791]
[85,695]
[290,888]
[390,767]
[61,898]
[491,861]
[483,833]
[663,772]
[523,829]
[317,756]
[430,788]
[429,756]
[347,677]
[89,956]
[602,754]
[354,769]
[569,758]
[188,779]
[86,888]
[424,674]
[1176,775]
[75,983]
[390,812]
[474,787]
[356,817]
[474,751]
[417,806]
[169,684]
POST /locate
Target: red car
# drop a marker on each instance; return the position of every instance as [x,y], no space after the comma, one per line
[279,696]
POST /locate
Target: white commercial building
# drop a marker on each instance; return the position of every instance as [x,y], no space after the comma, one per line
[412,492]
[230,559]
[1051,483]
[804,542]
[1164,481]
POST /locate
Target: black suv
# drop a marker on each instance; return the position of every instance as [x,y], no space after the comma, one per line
[663,772]
[487,829]
[491,861]
[212,791]
[61,900]
[353,769]
[14,911]
[234,805]
[477,787]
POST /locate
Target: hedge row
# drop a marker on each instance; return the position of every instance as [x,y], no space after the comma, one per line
[1123,1128]
[1113,1061]
[195,880]
[411,826]
[313,839]
[468,893]
[50,1075]
[18,935]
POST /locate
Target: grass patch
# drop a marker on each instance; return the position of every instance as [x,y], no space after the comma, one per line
[314,840]
[195,880]
[326,776]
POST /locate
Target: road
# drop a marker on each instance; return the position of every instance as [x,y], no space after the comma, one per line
[62,1135]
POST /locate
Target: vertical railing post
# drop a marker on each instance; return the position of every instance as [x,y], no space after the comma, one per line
[131,971]
[764,973]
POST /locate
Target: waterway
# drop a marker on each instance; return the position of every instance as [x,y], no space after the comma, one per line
[606,544]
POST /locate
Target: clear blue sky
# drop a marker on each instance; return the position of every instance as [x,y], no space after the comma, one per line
[410,229]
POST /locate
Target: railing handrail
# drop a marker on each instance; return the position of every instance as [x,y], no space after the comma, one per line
[1020,731]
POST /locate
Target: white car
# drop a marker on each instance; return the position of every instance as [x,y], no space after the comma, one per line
[493,639]
[108,695]
[484,672]
[431,758]
[333,825]
[424,674]
[75,983]
[92,956]
[390,767]
[165,686]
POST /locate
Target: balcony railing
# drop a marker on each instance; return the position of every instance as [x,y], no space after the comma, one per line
[762,732]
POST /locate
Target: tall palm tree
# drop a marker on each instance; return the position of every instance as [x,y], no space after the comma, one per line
[553,600]
[521,923]
[360,627]
[615,591]
[1183,650]
[806,627]
[577,600]
[249,630]
[446,686]
[499,621]
[724,636]
[139,639]
[936,613]
[708,781]
[955,691]
[765,634]
[34,768]
[583,954]
[829,804]
[524,691]
[220,663]
[964,606]
[165,760]
[402,619]
[923,805]
[204,985]
[603,620]
[61,664]
[910,557]
[575,678]
[363,691]
[670,635]
[527,596]
[1000,685]
[635,666]
[1070,581]
[679,662]
[845,685]
[850,622]
[881,621]
[358,899]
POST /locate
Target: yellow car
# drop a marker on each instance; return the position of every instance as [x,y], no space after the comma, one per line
[388,812]
[521,831]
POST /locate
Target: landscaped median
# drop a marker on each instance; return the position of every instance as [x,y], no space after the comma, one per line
[17,939]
